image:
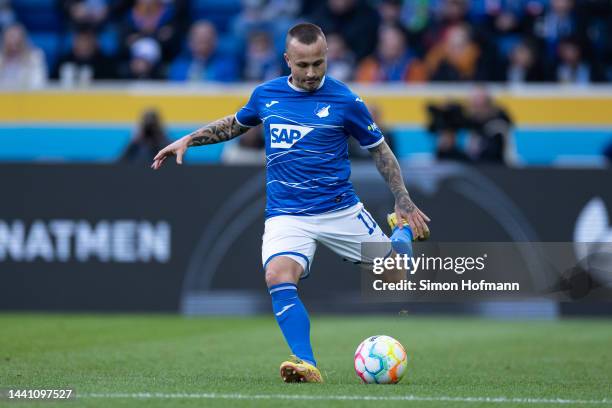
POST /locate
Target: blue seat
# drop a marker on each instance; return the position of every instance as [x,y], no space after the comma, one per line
[38,15]
[49,43]
[230,45]
[109,40]
[218,12]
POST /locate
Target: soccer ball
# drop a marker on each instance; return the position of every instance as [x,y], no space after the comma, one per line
[380,360]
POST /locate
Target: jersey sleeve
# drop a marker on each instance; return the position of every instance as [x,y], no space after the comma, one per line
[248,115]
[359,123]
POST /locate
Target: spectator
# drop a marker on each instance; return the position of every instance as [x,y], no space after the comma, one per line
[415,15]
[272,16]
[559,21]
[446,14]
[248,149]
[7,15]
[203,62]
[393,61]
[149,138]
[456,58]
[262,63]
[489,126]
[506,16]
[390,12]
[505,22]
[598,15]
[85,14]
[572,68]
[354,20]
[119,9]
[445,121]
[523,65]
[452,12]
[144,63]
[21,65]
[84,60]
[340,59]
[153,19]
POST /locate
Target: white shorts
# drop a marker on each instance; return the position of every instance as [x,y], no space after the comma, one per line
[341,231]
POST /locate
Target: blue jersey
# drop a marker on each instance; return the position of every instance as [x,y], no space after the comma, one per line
[306,136]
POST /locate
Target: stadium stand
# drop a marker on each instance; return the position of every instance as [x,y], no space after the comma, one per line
[508,42]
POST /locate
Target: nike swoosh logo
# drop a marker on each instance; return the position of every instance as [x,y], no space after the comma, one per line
[284,309]
[271,103]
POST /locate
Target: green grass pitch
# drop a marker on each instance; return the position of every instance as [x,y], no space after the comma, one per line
[177,361]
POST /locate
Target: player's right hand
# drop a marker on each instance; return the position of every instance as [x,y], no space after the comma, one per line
[177,149]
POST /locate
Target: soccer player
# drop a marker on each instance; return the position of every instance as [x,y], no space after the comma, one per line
[307,119]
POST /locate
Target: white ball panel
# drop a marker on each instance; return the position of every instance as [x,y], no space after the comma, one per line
[398,351]
[381,348]
[383,378]
[368,378]
[373,365]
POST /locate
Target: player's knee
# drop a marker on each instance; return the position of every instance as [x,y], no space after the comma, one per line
[276,276]
[282,270]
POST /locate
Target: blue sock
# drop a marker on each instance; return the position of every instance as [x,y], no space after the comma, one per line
[401,240]
[292,317]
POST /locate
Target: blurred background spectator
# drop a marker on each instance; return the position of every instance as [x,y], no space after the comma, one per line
[355,20]
[84,61]
[274,17]
[393,60]
[559,20]
[21,64]
[145,60]
[203,61]
[445,121]
[261,60]
[155,19]
[516,41]
[7,14]
[83,14]
[149,138]
[456,57]
[523,65]
[572,68]
[487,124]
[390,12]
[445,14]
[340,59]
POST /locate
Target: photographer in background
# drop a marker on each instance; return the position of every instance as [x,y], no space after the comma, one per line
[148,139]
[445,121]
[488,125]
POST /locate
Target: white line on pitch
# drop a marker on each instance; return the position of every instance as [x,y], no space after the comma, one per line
[154,395]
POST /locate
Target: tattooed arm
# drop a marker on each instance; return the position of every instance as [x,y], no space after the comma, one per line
[218,131]
[405,210]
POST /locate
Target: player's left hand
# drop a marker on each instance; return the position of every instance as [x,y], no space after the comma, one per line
[178,149]
[408,213]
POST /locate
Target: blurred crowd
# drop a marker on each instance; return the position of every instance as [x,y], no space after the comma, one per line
[513,41]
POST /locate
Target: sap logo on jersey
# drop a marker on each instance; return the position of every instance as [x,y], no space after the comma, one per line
[285,136]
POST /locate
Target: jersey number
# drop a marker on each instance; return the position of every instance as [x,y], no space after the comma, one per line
[365,217]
